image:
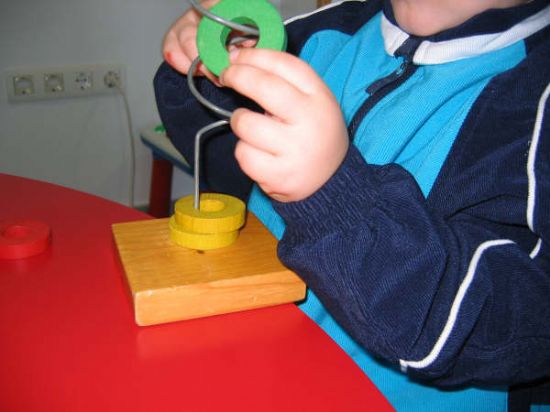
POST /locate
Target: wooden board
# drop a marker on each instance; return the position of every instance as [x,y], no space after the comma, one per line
[170,283]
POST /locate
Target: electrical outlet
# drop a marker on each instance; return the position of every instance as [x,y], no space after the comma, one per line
[84,80]
[22,85]
[39,83]
[53,83]
[112,79]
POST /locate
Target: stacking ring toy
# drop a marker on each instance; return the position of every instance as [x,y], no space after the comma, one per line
[217,213]
[23,238]
[214,225]
[212,36]
[200,241]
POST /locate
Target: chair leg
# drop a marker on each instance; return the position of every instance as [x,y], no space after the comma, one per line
[321,3]
[161,188]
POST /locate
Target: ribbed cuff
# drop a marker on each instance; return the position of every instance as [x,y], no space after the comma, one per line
[348,196]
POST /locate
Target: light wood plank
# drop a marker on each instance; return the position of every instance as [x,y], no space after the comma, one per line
[170,283]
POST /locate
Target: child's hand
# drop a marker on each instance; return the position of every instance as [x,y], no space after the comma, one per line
[293,149]
[180,43]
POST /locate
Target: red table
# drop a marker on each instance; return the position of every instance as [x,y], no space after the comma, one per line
[68,341]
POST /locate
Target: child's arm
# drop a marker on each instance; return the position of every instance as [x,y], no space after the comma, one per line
[452,299]
[455,298]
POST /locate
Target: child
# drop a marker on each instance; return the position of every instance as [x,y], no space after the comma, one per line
[405,170]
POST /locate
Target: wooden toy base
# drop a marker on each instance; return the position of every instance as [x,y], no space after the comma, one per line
[170,283]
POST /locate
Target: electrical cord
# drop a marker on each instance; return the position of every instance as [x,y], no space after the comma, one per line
[112,80]
[131,179]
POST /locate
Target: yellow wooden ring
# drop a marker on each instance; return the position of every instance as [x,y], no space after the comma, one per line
[218,213]
[200,241]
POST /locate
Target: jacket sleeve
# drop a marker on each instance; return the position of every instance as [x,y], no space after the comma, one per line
[454,288]
[182,116]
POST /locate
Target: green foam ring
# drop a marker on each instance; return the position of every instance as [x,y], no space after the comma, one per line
[212,36]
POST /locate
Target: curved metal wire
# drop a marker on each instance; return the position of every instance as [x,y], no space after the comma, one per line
[216,109]
[235,26]
[193,88]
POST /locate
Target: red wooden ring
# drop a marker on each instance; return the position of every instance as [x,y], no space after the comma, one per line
[23,238]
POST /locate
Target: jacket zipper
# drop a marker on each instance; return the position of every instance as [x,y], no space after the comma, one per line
[382,87]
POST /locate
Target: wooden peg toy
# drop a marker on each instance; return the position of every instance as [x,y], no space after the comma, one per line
[210,257]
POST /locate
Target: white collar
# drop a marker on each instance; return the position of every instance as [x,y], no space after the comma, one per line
[430,52]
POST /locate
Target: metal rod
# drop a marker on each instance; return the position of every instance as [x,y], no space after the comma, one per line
[216,109]
[202,132]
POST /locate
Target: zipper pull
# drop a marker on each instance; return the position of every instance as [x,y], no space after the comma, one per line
[384,81]
[406,50]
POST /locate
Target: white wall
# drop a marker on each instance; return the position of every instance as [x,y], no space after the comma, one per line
[83,142]
[291,8]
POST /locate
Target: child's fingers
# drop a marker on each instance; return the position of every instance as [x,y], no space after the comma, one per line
[179,49]
[180,43]
[276,95]
[180,53]
[281,64]
[177,60]
[258,130]
[259,165]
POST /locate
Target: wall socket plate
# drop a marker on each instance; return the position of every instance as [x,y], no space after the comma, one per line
[41,83]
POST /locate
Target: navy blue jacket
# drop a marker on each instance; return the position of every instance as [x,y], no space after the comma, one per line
[430,246]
